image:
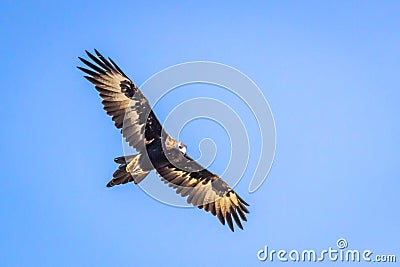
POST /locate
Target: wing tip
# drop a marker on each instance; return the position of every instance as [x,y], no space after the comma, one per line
[97,52]
[242,200]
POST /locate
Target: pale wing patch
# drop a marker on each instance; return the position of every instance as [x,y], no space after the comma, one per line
[207,192]
[122,100]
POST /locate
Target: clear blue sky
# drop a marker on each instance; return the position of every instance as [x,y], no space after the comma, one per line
[330,72]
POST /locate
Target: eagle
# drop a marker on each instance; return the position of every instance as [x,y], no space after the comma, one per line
[157,150]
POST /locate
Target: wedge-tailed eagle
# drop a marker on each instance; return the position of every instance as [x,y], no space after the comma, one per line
[132,113]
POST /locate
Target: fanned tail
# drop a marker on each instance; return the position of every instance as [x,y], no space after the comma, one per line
[129,170]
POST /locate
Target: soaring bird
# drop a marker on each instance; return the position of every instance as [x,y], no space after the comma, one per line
[132,113]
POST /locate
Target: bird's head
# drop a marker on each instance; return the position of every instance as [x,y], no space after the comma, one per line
[181,147]
[171,143]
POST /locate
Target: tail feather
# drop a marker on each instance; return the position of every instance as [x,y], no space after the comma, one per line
[129,170]
[124,159]
[120,176]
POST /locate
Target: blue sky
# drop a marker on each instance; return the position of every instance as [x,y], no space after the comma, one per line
[328,70]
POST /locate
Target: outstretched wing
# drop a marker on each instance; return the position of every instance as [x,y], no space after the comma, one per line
[204,189]
[123,101]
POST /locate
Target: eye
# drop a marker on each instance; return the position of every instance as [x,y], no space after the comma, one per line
[180,146]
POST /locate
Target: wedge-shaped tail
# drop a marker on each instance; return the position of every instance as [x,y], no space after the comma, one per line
[129,170]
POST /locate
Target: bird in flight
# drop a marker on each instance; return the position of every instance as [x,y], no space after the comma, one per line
[132,113]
